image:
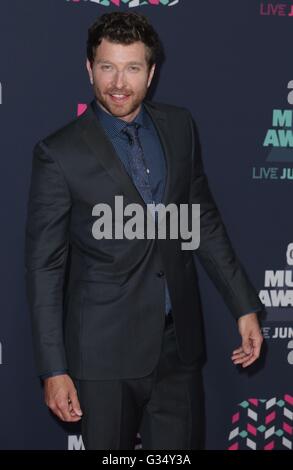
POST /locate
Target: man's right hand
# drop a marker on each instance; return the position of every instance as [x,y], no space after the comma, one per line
[61,398]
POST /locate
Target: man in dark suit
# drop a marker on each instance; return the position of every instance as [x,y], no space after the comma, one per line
[117,323]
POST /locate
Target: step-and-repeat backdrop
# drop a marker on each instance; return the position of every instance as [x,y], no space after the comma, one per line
[229,62]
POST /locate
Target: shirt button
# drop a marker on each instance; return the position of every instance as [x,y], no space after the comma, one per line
[160,273]
[147,170]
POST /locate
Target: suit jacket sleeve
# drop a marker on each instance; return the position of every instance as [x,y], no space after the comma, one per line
[46,248]
[215,251]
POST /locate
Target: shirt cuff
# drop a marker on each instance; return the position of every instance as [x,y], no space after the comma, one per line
[53,374]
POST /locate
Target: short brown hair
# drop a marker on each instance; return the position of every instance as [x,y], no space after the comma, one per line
[124,28]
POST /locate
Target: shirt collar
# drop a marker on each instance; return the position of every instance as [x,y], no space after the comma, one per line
[115,125]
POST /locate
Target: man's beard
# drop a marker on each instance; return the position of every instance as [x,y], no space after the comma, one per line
[120,110]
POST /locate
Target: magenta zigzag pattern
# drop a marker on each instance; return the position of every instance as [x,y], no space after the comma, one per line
[130,3]
[263,424]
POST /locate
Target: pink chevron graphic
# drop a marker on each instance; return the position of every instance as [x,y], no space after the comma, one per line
[269,446]
[262,424]
[234,446]
[251,429]
[270,417]
[288,399]
[287,428]
[253,401]
[81,107]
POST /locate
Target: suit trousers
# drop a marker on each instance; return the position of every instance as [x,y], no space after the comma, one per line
[165,407]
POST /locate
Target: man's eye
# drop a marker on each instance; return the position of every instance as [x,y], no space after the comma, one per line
[106,67]
[133,68]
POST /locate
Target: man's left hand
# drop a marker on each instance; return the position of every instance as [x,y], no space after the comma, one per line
[252,339]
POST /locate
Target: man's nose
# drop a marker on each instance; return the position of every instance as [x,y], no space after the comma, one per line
[119,79]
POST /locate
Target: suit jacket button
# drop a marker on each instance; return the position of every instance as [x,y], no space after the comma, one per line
[160,274]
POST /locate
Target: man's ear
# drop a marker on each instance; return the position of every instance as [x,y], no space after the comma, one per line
[90,72]
[151,74]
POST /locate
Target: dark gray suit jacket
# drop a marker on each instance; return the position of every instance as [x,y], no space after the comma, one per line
[97,306]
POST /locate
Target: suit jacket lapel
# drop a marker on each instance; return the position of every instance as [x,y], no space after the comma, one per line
[104,151]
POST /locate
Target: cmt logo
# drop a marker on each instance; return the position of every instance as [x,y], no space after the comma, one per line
[260,424]
[278,141]
[277,295]
[130,3]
